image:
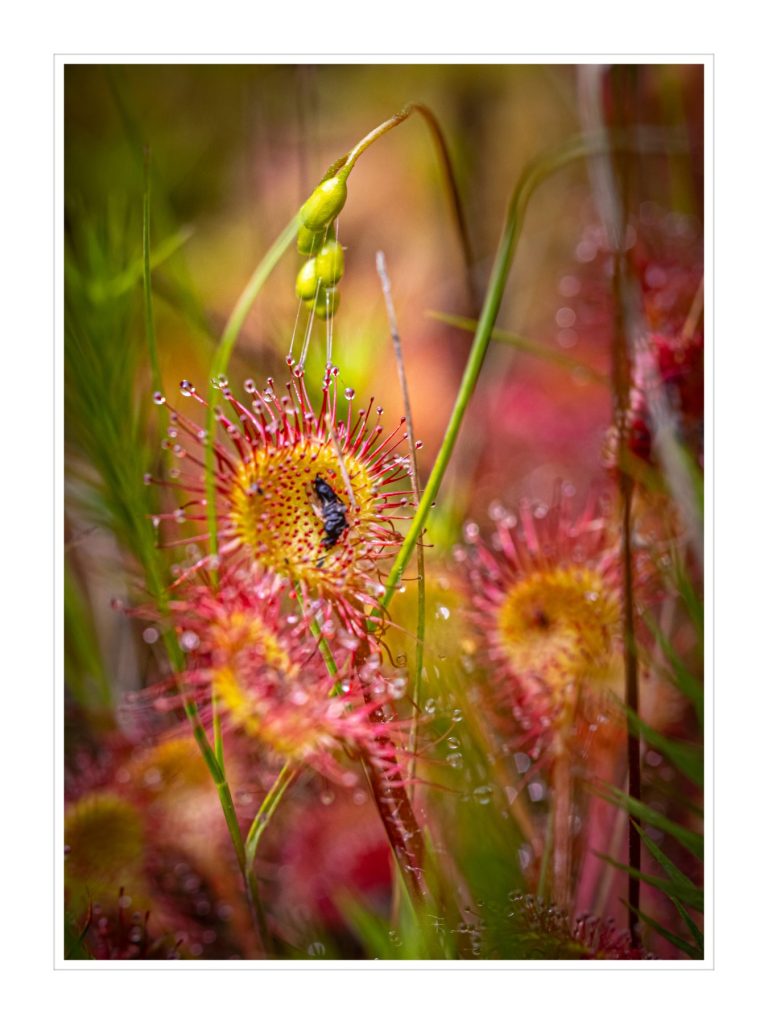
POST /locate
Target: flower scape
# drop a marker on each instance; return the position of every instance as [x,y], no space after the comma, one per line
[335,692]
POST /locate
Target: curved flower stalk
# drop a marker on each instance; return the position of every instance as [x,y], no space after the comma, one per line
[307,495]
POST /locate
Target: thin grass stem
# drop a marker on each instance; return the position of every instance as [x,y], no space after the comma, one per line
[446,164]
[386,287]
[526,345]
[323,646]
[149,316]
[269,805]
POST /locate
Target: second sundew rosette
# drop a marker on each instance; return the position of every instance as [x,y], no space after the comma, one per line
[265,676]
[546,596]
[308,494]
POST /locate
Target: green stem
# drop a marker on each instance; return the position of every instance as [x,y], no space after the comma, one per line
[346,164]
[357,150]
[268,807]
[149,316]
[457,206]
[263,817]
[218,736]
[325,650]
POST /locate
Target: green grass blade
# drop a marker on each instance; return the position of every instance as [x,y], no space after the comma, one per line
[85,676]
[681,944]
[692,841]
[526,345]
[673,872]
[676,875]
[685,681]
[687,893]
[693,928]
[686,757]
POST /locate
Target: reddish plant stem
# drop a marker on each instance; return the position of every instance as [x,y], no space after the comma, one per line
[611,187]
[623,82]
[631,698]
[394,807]
[621,377]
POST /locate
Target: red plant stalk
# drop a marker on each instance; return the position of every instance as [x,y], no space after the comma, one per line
[389,792]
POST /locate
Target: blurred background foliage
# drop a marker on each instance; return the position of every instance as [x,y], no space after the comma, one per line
[233,151]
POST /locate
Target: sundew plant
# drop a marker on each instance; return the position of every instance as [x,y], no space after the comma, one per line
[383,537]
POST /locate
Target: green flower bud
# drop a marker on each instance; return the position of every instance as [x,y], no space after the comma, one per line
[325,203]
[309,243]
[306,281]
[329,264]
[327,303]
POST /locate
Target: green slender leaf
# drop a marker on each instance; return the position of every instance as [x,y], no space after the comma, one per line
[686,757]
[686,947]
[689,594]
[693,928]
[531,348]
[676,875]
[408,941]
[686,682]
[673,872]
[74,941]
[692,841]
[687,893]
[670,791]
[84,674]
[108,291]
